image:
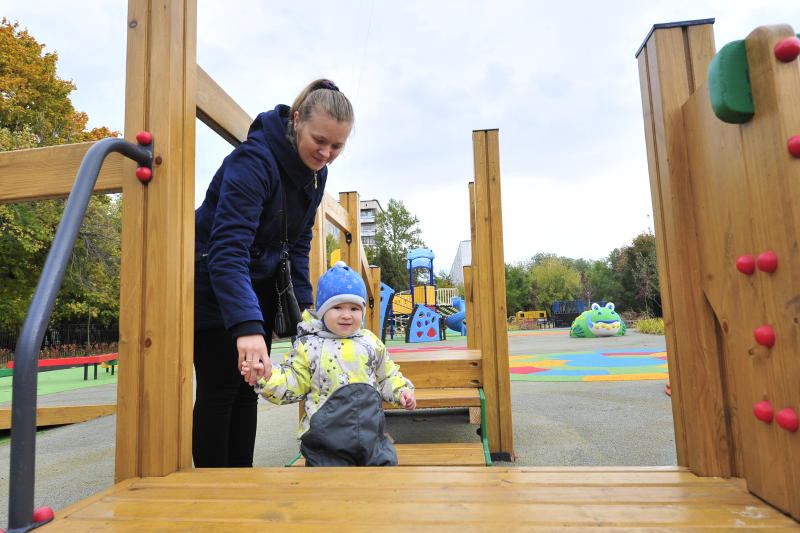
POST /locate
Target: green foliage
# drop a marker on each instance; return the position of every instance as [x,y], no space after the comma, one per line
[35,111]
[653,326]
[518,288]
[397,232]
[331,244]
[554,279]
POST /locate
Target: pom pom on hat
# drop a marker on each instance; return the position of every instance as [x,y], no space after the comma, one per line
[340,284]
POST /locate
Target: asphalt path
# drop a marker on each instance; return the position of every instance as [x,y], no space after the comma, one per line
[609,423]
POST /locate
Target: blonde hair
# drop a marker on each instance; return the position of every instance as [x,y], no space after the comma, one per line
[326,96]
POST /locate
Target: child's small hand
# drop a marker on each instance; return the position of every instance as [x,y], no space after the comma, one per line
[407,400]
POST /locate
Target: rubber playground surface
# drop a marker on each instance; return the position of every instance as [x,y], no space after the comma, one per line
[60,380]
[590,366]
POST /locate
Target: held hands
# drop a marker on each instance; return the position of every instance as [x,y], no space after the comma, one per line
[254,360]
[407,400]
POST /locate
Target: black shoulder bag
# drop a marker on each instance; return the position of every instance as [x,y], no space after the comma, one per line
[287,312]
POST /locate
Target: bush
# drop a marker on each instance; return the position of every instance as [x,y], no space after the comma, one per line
[653,326]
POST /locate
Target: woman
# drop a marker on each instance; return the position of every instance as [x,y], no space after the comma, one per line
[280,170]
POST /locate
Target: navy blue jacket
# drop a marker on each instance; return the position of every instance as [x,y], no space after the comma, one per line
[241,217]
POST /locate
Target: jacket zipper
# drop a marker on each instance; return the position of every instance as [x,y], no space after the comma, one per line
[315,180]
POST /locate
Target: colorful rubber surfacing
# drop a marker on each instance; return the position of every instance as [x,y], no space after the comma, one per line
[590,366]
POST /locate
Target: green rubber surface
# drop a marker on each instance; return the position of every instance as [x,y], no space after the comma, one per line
[61,380]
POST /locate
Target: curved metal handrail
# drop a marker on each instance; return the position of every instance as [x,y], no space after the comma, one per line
[23,399]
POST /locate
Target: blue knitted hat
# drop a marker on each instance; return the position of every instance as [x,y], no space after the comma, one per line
[340,284]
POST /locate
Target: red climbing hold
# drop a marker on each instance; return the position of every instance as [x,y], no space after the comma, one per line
[765,336]
[794,146]
[767,262]
[431,332]
[42,514]
[788,49]
[144,137]
[787,419]
[746,264]
[763,411]
[144,174]
[419,334]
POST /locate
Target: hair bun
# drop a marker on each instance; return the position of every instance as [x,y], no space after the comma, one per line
[328,84]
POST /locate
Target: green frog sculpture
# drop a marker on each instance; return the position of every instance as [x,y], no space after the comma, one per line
[598,322]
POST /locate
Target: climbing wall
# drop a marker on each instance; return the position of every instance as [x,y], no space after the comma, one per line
[387,295]
[423,325]
[726,189]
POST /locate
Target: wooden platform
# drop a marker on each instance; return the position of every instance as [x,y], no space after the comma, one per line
[442,499]
[62,414]
[434,454]
[450,397]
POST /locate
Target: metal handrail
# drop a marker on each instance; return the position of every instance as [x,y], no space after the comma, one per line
[23,399]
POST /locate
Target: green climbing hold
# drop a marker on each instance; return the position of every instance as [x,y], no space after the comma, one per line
[729,84]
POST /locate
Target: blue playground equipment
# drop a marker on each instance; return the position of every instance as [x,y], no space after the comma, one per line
[458,321]
[424,323]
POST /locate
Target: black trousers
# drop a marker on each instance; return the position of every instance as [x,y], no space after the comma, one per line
[225,407]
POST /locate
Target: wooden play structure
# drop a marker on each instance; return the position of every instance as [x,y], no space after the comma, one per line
[722,192]
[158,490]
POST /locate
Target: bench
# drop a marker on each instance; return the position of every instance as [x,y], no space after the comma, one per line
[443,378]
[109,359]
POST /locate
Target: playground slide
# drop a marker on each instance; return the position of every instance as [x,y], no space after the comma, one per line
[456,322]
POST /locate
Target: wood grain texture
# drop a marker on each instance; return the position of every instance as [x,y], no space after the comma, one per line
[450,499]
[447,454]
[50,172]
[217,110]
[61,414]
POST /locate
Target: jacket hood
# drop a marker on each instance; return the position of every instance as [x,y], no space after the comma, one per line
[312,325]
[269,127]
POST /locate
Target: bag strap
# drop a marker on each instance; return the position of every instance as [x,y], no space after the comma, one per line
[285,243]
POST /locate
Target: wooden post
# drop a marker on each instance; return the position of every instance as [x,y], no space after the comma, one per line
[374,314]
[672,63]
[469,309]
[154,398]
[473,324]
[351,253]
[317,264]
[491,293]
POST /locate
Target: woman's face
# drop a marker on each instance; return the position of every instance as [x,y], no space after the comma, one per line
[320,139]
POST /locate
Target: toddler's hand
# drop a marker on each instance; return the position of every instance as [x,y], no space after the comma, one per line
[407,400]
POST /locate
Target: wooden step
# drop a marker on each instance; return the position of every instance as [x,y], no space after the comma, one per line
[451,397]
[435,454]
[442,368]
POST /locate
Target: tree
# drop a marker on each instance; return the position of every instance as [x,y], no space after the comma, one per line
[35,111]
[518,288]
[636,270]
[603,283]
[397,232]
[553,279]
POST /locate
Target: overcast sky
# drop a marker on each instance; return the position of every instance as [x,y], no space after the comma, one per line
[559,80]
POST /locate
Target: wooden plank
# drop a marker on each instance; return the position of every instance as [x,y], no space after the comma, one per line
[374,323]
[426,370]
[50,172]
[62,414]
[444,397]
[351,252]
[473,324]
[335,213]
[773,175]
[217,110]
[317,263]
[451,454]
[483,287]
[154,399]
[693,347]
[499,309]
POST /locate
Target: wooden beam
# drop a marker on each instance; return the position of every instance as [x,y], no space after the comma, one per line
[156,295]
[670,67]
[61,414]
[319,251]
[473,332]
[469,309]
[50,172]
[217,110]
[374,323]
[490,295]
[351,252]
[335,213]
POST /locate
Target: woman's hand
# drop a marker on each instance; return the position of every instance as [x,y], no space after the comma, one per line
[408,400]
[254,360]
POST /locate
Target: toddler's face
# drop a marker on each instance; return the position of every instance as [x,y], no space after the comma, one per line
[344,319]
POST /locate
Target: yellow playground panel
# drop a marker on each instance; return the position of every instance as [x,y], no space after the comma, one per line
[401,303]
[530,315]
